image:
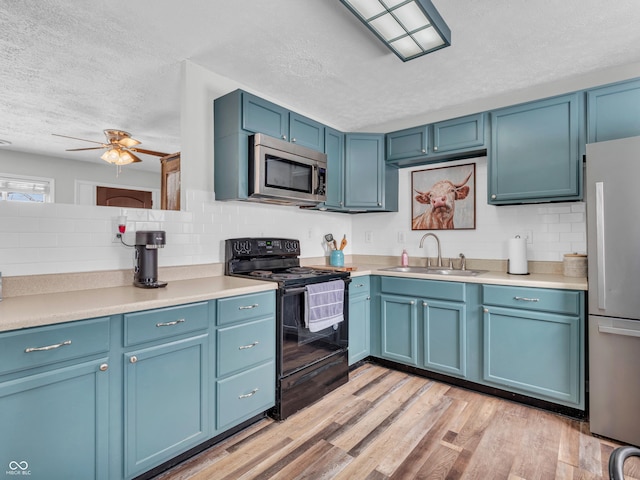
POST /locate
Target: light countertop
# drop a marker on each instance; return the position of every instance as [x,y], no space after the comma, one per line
[40,309]
[50,308]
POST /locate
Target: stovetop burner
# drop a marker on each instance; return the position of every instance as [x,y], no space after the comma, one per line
[261,273]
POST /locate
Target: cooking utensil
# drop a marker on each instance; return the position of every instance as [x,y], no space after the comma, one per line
[330,241]
[343,243]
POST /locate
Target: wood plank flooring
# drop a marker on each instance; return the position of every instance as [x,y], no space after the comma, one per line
[386,424]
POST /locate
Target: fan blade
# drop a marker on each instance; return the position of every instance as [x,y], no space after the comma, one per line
[80,149]
[135,158]
[76,138]
[149,152]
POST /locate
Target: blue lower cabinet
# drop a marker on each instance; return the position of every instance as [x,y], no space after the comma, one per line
[399,324]
[533,353]
[245,395]
[359,319]
[445,337]
[55,424]
[166,406]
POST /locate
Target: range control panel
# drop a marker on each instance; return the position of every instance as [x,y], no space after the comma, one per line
[261,247]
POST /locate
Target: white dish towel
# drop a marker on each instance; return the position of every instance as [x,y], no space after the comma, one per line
[324,305]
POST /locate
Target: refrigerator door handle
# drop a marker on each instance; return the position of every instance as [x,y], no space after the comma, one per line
[626,332]
[600,244]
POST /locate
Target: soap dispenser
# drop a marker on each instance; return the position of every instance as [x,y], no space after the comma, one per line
[405,258]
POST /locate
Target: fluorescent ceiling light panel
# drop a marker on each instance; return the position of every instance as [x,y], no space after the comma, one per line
[410,28]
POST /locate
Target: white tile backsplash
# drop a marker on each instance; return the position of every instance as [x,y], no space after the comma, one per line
[41,239]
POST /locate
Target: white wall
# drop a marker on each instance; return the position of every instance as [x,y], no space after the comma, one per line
[555,229]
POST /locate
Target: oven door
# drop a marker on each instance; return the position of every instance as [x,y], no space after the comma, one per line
[301,347]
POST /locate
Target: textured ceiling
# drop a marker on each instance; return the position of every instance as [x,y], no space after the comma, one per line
[75,67]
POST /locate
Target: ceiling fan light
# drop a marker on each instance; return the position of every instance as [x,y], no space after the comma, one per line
[128,142]
[125,158]
[111,156]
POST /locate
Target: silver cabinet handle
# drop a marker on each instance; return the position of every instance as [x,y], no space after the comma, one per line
[250,394]
[251,345]
[424,150]
[284,137]
[248,307]
[133,359]
[435,149]
[494,196]
[486,310]
[525,299]
[48,347]
[368,298]
[293,140]
[171,324]
[412,302]
[359,285]
[104,367]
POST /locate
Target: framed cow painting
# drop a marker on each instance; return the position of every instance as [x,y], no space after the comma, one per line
[444,198]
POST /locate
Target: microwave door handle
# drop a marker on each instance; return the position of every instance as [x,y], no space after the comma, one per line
[316,182]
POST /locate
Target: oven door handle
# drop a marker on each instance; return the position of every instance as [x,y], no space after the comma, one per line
[294,291]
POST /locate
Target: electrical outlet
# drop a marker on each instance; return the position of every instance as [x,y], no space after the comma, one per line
[402,237]
[368,237]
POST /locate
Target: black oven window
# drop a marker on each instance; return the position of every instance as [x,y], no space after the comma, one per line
[288,175]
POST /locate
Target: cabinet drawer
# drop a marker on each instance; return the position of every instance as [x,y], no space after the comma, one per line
[245,395]
[453,291]
[160,323]
[44,345]
[360,286]
[245,307]
[539,299]
[246,344]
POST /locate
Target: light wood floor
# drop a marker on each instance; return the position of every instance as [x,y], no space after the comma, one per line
[386,424]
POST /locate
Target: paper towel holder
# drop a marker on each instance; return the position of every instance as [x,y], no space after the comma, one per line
[509,272]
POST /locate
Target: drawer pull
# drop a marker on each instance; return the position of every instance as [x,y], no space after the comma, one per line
[248,307]
[104,367]
[171,324]
[133,359]
[525,299]
[250,394]
[48,347]
[485,310]
[359,285]
[251,345]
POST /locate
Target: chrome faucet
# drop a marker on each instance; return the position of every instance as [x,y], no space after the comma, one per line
[463,262]
[437,241]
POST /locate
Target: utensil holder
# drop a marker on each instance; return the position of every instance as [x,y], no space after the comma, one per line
[337,258]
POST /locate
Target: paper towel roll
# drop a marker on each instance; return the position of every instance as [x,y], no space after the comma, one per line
[518,256]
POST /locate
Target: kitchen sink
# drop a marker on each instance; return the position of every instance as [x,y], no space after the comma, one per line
[436,271]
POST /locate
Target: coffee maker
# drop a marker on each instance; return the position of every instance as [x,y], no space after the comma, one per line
[145,272]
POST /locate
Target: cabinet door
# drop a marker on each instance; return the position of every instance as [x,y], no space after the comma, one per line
[56,424]
[399,326]
[364,171]
[166,401]
[261,116]
[306,132]
[613,112]
[459,134]
[409,143]
[359,318]
[445,337]
[334,148]
[534,155]
[533,353]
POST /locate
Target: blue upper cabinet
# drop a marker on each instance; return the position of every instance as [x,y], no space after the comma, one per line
[334,148]
[613,112]
[364,171]
[306,132]
[459,134]
[261,116]
[448,140]
[535,151]
[409,143]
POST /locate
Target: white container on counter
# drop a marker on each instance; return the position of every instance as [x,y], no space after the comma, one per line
[517,263]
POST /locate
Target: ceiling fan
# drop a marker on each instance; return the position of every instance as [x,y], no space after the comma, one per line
[120,147]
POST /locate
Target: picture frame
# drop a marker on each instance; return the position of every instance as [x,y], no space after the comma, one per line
[444,198]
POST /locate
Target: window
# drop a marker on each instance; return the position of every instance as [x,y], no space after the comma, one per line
[19,188]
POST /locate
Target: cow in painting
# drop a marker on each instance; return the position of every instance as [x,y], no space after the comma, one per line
[441,198]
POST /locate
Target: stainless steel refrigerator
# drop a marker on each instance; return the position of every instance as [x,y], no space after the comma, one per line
[613,241]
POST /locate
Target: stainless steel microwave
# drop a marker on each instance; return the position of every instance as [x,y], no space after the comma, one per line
[285,173]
